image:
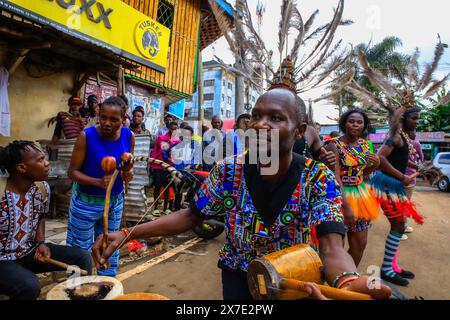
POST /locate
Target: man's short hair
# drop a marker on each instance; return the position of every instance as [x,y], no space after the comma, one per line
[243,116]
[188,127]
[139,109]
[334,134]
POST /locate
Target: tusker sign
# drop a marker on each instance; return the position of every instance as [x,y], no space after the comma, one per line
[110,24]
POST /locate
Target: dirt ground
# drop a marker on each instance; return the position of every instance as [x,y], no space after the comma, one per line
[193,274]
[426,252]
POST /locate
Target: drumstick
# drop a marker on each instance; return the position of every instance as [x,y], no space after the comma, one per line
[106,209]
[63,265]
[329,292]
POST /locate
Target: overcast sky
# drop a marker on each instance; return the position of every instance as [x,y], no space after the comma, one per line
[416,23]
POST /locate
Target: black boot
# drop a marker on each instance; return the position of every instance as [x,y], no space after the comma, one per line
[395,280]
[406,274]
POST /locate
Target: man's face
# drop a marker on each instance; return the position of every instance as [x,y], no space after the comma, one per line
[75,107]
[275,110]
[317,126]
[110,120]
[412,120]
[216,124]
[138,117]
[34,165]
[183,134]
[243,124]
[95,107]
[168,120]
[173,127]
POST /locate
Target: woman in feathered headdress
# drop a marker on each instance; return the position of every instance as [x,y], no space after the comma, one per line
[400,103]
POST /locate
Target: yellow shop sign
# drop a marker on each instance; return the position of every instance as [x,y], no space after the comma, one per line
[110,24]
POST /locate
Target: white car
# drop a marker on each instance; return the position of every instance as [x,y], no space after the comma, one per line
[442,161]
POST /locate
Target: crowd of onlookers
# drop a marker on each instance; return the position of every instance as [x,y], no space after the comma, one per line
[164,143]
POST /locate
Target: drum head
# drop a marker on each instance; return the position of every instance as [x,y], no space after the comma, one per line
[60,291]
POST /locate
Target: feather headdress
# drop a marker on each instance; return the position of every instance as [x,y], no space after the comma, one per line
[300,70]
[397,99]
[412,87]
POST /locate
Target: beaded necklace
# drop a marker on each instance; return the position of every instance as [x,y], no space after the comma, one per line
[411,148]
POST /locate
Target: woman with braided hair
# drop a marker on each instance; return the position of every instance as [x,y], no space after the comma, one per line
[109,138]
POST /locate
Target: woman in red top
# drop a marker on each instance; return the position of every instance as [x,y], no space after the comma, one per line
[161,151]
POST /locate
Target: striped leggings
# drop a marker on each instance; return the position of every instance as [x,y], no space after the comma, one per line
[86,224]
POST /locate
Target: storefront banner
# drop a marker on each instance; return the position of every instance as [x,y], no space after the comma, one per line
[421,136]
[110,24]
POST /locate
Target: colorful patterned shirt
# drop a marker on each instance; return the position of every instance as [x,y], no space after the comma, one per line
[316,200]
[19,221]
[353,161]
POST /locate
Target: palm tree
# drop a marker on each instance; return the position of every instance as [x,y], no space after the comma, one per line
[403,82]
[438,118]
[383,57]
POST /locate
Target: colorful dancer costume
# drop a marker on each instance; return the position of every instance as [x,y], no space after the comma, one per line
[391,195]
[358,194]
[390,192]
[398,102]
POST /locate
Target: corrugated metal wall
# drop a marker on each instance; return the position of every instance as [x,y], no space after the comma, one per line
[135,200]
[179,75]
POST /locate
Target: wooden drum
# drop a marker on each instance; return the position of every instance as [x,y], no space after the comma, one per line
[299,262]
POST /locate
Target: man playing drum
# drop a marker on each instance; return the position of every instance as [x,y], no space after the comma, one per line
[303,193]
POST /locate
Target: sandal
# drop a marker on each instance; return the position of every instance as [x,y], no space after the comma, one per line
[156,213]
[167,212]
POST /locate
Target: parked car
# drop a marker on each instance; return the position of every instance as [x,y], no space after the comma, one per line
[442,161]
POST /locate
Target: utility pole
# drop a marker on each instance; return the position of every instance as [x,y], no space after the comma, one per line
[200,92]
[239,92]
